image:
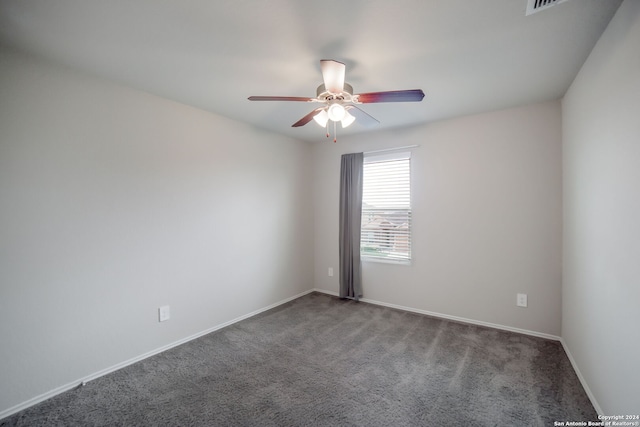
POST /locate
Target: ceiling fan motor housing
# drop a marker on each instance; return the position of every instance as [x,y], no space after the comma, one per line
[345,96]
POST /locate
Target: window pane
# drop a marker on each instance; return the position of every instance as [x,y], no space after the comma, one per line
[386,210]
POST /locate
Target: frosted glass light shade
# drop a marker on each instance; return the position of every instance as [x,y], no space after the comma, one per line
[347,120]
[336,112]
[321,118]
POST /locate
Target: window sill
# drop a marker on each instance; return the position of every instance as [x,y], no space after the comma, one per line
[385,261]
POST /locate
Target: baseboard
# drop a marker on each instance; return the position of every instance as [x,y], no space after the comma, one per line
[583,381]
[454,318]
[81,381]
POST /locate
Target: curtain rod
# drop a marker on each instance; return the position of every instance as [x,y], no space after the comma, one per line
[390,149]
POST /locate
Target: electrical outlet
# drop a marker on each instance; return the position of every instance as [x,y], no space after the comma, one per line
[330,272]
[164,313]
[521,300]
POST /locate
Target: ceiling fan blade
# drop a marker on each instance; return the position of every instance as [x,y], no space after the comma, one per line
[333,75]
[279,98]
[361,117]
[306,119]
[413,95]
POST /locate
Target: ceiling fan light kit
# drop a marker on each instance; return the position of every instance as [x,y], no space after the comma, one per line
[321,118]
[336,112]
[347,119]
[339,100]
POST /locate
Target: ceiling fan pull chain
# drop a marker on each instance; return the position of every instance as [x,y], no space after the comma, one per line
[335,133]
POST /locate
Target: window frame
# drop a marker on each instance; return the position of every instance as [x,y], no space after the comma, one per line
[405,179]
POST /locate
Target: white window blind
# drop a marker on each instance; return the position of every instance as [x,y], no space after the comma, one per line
[386,208]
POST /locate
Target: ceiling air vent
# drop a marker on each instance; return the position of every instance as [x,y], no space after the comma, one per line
[534,6]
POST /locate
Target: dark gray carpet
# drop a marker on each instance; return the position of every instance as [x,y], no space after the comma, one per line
[321,361]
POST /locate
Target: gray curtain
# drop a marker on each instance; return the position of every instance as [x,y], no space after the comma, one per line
[350,220]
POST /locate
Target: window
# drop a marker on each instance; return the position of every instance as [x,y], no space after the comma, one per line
[386,208]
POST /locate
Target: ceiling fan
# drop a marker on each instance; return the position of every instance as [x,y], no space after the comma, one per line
[339,102]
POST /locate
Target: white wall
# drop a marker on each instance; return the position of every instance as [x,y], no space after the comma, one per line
[114,202]
[486,218]
[601,148]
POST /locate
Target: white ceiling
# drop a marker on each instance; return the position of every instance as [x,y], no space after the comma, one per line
[468,56]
